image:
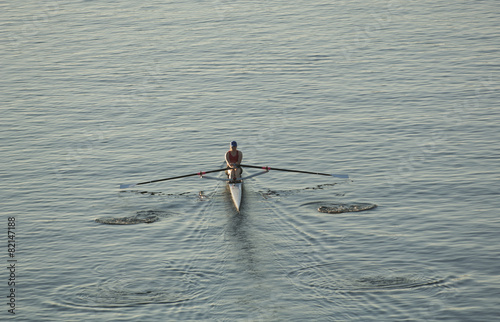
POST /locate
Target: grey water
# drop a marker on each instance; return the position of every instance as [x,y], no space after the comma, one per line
[401,95]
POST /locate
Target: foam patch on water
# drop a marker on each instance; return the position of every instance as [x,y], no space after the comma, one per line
[200,196]
[142,217]
[157,193]
[337,208]
[276,193]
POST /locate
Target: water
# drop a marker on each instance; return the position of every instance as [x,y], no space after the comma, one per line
[400,95]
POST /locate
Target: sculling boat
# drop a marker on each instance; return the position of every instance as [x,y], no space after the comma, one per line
[235,188]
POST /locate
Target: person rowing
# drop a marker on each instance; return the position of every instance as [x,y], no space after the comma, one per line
[233,160]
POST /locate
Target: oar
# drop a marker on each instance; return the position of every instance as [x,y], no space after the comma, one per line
[126,186]
[343,176]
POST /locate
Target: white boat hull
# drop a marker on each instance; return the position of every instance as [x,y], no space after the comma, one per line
[236,190]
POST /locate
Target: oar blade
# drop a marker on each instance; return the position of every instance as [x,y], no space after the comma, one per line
[126,186]
[342,176]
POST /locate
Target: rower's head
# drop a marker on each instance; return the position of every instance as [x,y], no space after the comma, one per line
[233,145]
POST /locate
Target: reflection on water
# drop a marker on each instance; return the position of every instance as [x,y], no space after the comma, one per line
[240,238]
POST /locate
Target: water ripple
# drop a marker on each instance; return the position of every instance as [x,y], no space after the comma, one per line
[174,285]
[366,277]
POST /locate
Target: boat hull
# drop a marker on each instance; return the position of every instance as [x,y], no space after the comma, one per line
[236,190]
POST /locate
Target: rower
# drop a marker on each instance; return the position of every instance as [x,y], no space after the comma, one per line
[233,160]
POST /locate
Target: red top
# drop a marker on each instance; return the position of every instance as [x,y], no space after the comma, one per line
[233,158]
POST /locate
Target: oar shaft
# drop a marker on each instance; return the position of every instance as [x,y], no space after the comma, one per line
[300,171]
[183,176]
[287,170]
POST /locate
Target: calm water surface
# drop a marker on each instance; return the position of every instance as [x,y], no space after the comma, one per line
[401,95]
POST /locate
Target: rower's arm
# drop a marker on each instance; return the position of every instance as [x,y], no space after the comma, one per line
[227,160]
[240,157]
